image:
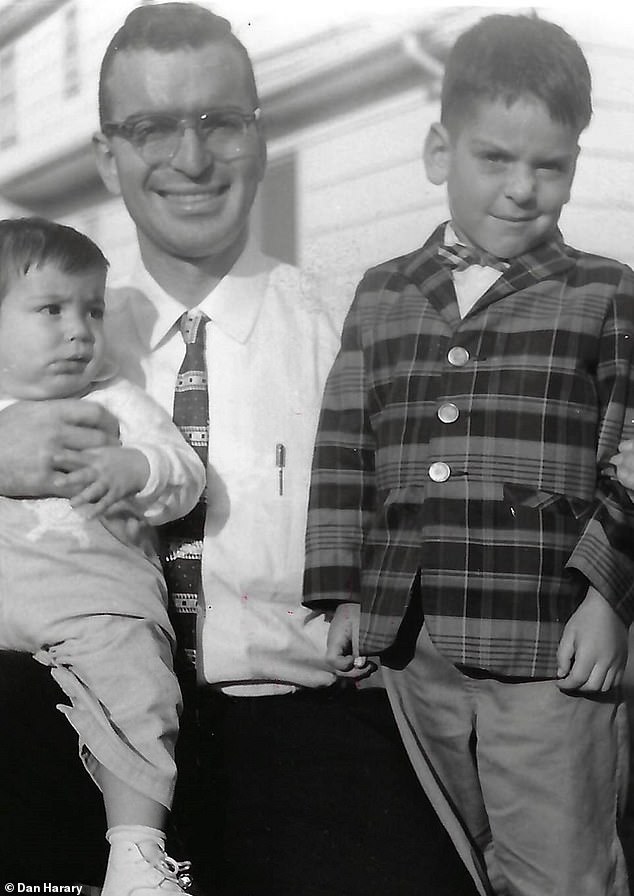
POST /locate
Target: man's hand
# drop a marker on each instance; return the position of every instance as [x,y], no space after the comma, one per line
[117,472]
[593,648]
[624,464]
[41,442]
[342,636]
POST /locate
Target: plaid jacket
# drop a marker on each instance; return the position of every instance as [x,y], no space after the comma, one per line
[470,456]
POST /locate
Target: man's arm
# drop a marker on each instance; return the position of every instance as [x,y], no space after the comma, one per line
[41,444]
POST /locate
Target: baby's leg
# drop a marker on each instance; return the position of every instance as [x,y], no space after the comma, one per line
[125,700]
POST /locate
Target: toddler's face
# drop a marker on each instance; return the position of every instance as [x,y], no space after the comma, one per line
[51,333]
[508,170]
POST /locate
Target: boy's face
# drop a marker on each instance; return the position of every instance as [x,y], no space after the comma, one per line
[508,170]
[51,333]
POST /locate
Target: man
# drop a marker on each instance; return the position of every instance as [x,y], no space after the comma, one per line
[290,782]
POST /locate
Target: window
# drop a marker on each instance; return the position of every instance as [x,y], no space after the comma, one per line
[8,112]
[278,209]
[71,52]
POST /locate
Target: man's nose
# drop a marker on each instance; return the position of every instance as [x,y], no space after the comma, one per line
[192,157]
[521,185]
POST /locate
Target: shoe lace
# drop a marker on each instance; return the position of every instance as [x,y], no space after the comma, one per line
[176,871]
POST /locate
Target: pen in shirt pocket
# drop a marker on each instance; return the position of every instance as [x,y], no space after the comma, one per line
[280,463]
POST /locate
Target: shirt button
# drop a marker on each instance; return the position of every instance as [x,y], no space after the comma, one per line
[448,413]
[458,356]
[439,471]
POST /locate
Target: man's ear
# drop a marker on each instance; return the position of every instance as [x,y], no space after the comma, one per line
[437,154]
[262,149]
[105,161]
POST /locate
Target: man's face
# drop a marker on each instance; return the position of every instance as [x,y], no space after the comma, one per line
[196,205]
[508,170]
[51,333]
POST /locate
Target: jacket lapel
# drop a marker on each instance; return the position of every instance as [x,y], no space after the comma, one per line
[426,271]
[546,261]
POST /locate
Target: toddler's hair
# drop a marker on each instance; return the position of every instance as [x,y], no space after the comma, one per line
[27,243]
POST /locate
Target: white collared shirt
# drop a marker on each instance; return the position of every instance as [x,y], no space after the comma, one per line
[269,347]
[471,283]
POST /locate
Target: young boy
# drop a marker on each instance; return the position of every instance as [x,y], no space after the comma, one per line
[80,585]
[459,495]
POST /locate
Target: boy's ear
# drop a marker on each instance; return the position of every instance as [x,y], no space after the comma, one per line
[437,154]
[105,161]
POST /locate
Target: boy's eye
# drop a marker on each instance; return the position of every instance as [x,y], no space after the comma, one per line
[52,309]
[496,158]
[97,312]
[552,166]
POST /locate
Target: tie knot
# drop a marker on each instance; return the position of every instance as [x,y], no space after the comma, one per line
[459,258]
[192,325]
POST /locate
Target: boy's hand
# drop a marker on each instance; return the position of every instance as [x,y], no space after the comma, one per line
[116,472]
[39,439]
[624,463]
[342,635]
[593,648]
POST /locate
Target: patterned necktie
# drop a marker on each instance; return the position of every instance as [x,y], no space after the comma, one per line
[459,258]
[181,541]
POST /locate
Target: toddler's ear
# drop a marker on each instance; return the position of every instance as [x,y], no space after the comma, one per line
[436,154]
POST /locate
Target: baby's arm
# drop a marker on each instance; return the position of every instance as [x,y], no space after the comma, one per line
[593,648]
[158,467]
[117,473]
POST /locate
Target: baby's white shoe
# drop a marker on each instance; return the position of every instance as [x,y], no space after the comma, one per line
[138,865]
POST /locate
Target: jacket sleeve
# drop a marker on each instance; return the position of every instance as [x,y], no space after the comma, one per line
[605,551]
[342,490]
[177,475]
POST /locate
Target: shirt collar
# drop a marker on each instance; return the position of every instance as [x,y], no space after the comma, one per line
[233,305]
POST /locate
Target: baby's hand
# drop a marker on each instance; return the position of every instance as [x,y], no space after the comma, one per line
[342,635]
[593,648]
[117,473]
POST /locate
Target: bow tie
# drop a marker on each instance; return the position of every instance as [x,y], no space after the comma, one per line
[459,258]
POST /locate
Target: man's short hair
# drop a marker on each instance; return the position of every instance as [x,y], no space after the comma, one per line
[27,243]
[508,57]
[165,27]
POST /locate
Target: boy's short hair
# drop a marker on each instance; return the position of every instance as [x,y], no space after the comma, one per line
[27,243]
[165,27]
[507,57]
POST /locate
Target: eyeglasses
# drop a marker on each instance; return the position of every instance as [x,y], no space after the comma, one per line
[157,138]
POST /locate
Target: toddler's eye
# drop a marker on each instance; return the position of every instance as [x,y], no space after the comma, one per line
[97,312]
[51,309]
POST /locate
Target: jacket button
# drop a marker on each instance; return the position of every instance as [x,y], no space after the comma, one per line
[448,413]
[458,356]
[439,471]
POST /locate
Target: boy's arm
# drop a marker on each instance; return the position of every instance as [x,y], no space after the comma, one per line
[41,445]
[342,648]
[624,464]
[342,491]
[604,553]
[158,467]
[593,649]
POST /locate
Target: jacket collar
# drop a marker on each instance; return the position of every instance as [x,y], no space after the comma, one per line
[434,280]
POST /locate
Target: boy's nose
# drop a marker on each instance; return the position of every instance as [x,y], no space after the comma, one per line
[520,185]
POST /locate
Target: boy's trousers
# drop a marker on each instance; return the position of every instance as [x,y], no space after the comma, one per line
[528,781]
